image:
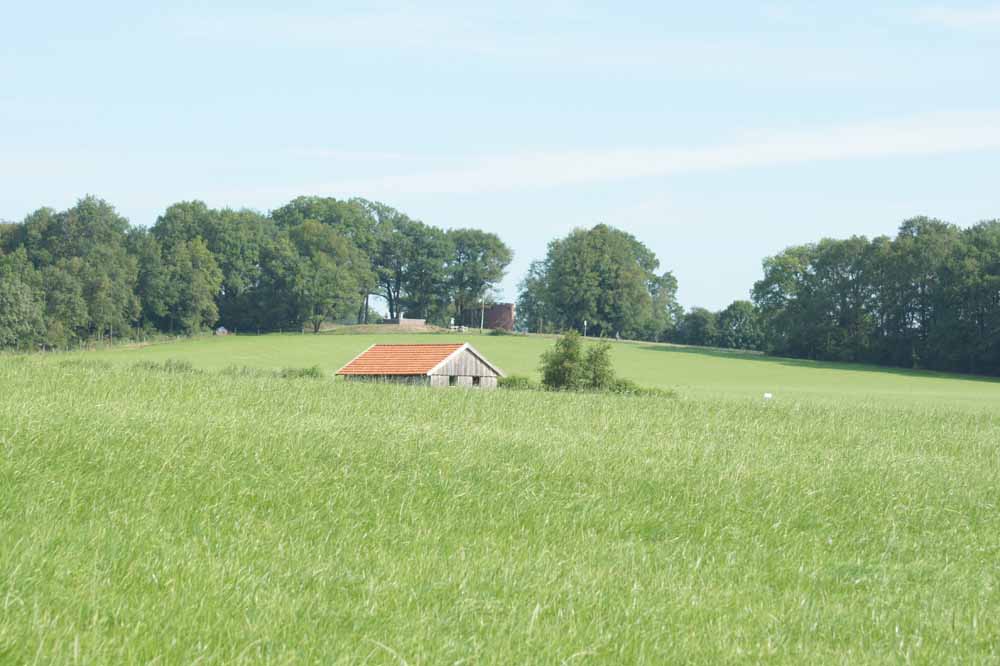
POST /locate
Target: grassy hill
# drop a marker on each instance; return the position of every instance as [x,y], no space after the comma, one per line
[170,516]
[691,371]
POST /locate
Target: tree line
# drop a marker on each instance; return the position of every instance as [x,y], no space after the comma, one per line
[606,283]
[927,298]
[87,274]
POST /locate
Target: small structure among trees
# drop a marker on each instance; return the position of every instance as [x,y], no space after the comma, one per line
[423,364]
[491,316]
[404,322]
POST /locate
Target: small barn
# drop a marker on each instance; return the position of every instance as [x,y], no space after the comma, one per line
[429,365]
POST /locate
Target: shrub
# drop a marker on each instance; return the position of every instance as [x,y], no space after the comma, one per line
[171,365]
[598,372]
[568,367]
[244,371]
[562,366]
[92,364]
[517,383]
[624,386]
[301,373]
[500,331]
[175,366]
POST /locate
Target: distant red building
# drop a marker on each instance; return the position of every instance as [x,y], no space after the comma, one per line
[498,315]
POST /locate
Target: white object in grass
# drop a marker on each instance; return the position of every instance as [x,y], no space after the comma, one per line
[768,396]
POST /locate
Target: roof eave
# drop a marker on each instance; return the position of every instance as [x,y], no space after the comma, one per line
[355,359]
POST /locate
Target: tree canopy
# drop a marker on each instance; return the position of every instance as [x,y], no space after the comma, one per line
[604,277]
[86,273]
[928,298]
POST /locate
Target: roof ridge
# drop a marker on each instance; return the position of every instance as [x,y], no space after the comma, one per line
[419,344]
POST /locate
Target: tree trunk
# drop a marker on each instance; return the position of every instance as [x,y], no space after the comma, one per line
[363,309]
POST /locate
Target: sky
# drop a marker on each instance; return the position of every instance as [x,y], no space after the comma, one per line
[716,133]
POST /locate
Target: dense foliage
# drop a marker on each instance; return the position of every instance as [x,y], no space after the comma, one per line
[569,366]
[86,273]
[928,298]
[737,326]
[601,279]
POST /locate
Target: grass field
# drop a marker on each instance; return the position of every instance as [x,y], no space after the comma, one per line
[692,371]
[204,517]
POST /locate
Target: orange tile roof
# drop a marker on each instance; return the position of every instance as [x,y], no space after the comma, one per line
[399,359]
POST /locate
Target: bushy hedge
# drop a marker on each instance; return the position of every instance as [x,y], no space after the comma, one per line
[176,366]
[570,367]
[518,383]
[171,365]
[301,373]
[624,386]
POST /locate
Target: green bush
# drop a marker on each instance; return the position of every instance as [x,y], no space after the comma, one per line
[500,331]
[624,386]
[89,363]
[174,365]
[301,373]
[568,367]
[598,371]
[562,366]
[171,365]
[517,383]
[244,371]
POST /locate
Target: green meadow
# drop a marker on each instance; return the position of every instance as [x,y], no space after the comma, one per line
[220,514]
[691,371]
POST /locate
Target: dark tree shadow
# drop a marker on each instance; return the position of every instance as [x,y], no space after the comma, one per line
[759,357]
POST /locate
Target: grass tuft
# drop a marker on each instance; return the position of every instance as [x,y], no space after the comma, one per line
[312,372]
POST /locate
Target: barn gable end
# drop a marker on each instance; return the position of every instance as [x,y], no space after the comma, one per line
[465,363]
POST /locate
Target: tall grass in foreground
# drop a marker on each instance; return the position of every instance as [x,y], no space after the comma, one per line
[183,517]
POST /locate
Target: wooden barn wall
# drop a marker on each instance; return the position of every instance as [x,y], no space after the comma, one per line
[391,379]
[465,364]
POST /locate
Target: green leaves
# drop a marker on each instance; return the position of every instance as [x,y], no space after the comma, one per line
[21,323]
[567,366]
[477,263]
[333,272]
[602,276]
[927,298]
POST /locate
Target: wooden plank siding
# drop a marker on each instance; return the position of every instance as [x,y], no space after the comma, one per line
[392,379]
[464,364]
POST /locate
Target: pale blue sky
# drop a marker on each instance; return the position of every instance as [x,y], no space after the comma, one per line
[717,133]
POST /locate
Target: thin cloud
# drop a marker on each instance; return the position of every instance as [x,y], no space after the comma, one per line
[573,44]
[353,156]
[396,29]
[949,17]
[917,136]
